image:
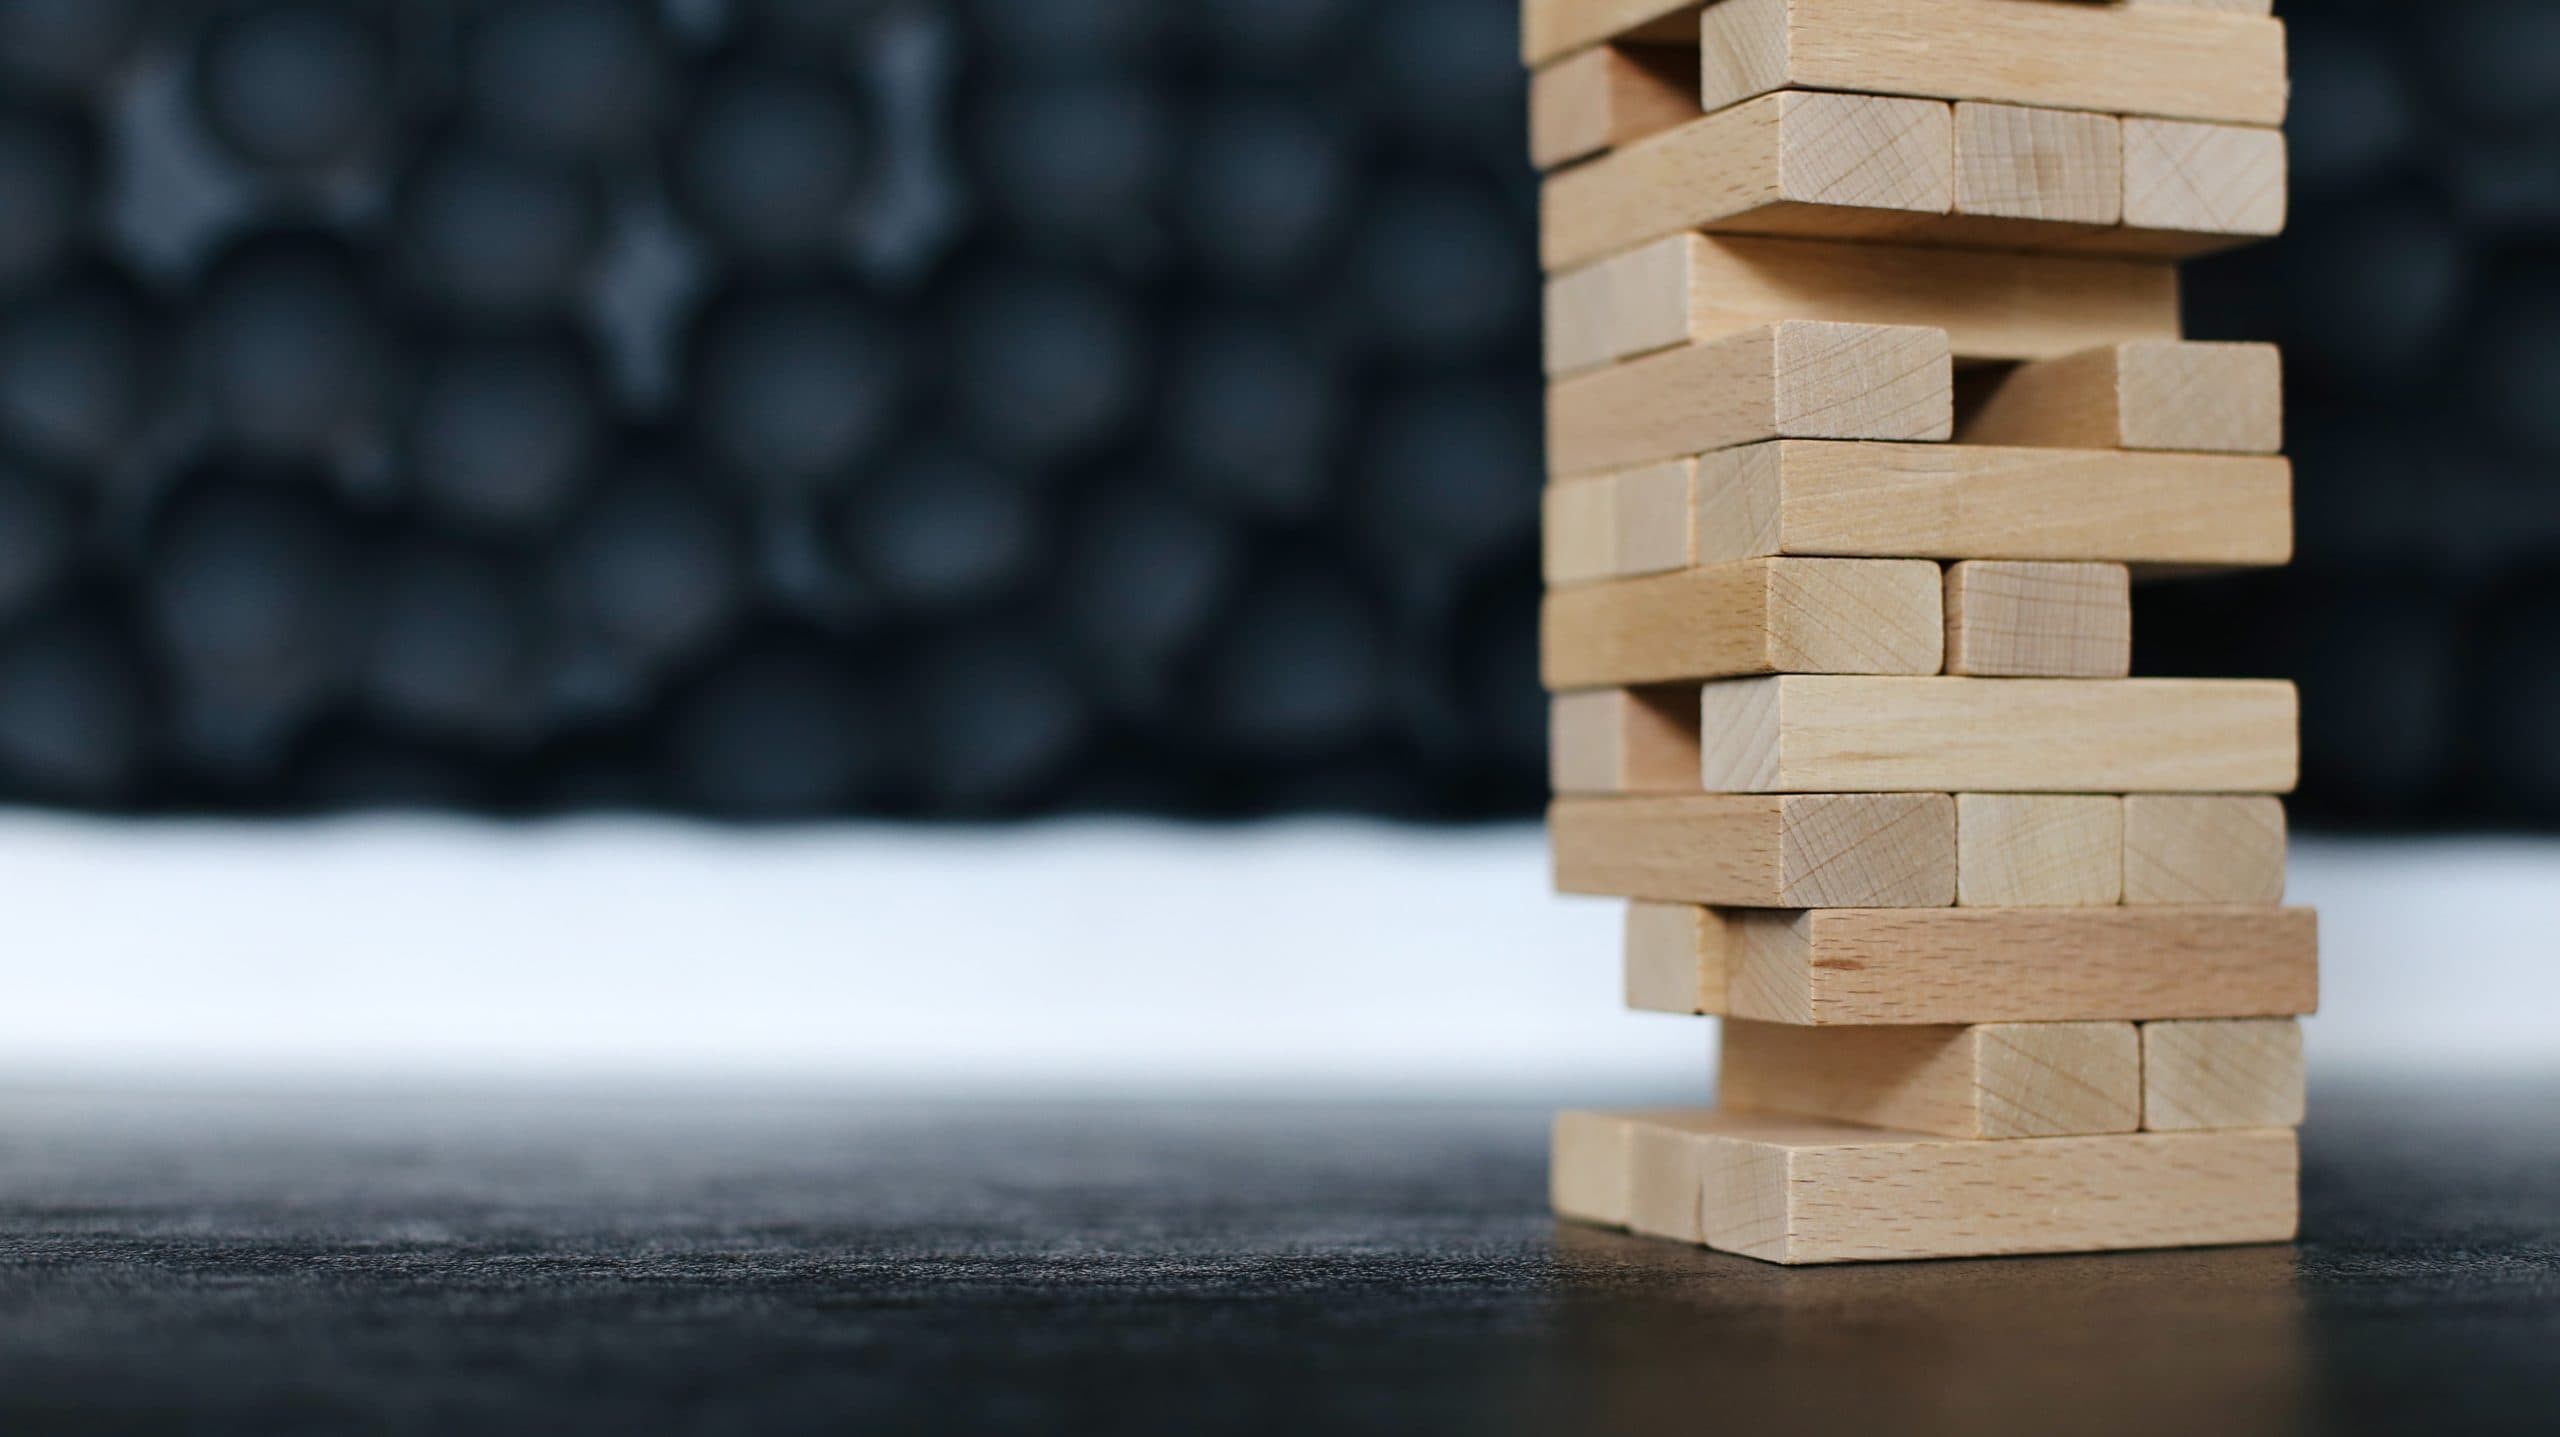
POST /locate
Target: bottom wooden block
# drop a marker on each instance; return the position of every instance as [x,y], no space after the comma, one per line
[1794,1190]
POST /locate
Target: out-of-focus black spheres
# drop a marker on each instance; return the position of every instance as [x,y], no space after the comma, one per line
[783,409]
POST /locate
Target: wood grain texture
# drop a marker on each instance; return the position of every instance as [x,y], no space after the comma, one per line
[1759,851]
[1609,96]
[2176,63]
[1834,734]
[2144,394]
[1623,741]
[1552,29]
[1862,616]
[1690,288]
[2023,162]
[1859,967]
[2205,179]
[2011,618]
[1987,1080]
[2039,850]
[1618,525]
[2228,1073]
[2203,848]
[1590,1159]
[1797,163]
[1674,958]
[1961,501]
[1798,379]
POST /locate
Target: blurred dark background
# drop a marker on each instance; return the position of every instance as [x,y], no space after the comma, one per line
[807,407]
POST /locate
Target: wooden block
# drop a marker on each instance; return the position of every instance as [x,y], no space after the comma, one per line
[2225,1073]
[1842,966]
[1806,1190]
[1609,96]
[1804,733]
[1615,526]
[1987,1080]
[1624,741]
[2194,848]
[2010,618]
[1758,616]
[2021,162]
[1690,288]
[2176,63]
[2039,850]
[1959,501]
[1674,958]
[1854,967]
[2209,179]
[1795,163]
[1798,379]
[1760,851]
[2146,394]
[1552,29]
[1590,1159]
[1664,1175]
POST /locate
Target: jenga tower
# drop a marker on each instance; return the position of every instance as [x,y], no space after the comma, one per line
[1867,403]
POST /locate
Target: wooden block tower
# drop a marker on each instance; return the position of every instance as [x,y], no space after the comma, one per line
[1868,404]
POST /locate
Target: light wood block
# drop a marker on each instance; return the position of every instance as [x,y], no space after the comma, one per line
[1804,1190]
[1794,733]
[2227,1073]
[1798,163]
[2172,62]
[1961,501]
[2010,618]
[1616,526]
[1987,1080]
[1552,29]
[1861,616]
[2039,850]
[1859,967]
[2022,162]
[1590,1159]
[1754,851]
[2204,179]
[1624,741]
[1798,379]
[2146,394]
[2203,848]
[1690,288]
[1609,96]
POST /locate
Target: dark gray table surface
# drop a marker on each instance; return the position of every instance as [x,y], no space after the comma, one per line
[701,1265]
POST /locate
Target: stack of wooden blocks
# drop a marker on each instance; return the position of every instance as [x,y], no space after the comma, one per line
[1868,403]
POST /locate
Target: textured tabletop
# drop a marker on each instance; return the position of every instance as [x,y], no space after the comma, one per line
[707,1265]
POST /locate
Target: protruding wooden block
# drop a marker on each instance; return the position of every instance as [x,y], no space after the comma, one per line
[2204,179]
[2146,394]
[1689,288]
[1847,967]
[1617,526]
[1609,96]
[2009,618]
[1552,29]
[1959,501]
[1988,1080]
[2022,162]
[2197,848]
[1590,1159]
[1752,851]
[2039,850]
[2173,62]
[2223,1073]
[1799,379]
[1756,616]
[1624,741]
[1833,734]
[1803,1190]
[1799,163]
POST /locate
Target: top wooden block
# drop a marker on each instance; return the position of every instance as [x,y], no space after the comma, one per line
[1552,29]
[2179,63]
